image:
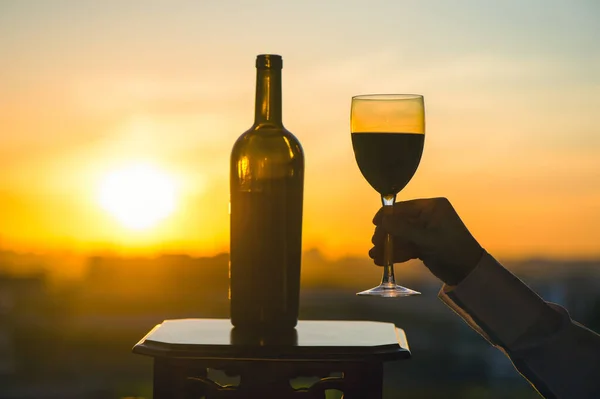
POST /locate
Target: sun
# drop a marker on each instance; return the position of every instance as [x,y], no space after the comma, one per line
[139,196]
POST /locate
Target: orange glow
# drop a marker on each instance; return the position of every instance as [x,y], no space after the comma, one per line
[511,136]
[138,196]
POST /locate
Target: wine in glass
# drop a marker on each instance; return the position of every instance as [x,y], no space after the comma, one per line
[388,133]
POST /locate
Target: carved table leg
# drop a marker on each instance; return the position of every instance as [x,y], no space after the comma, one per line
[266,380]
[364,381]
[374,380]
[165,377]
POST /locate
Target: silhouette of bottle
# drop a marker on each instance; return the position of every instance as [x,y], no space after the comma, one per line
[265,338]
[266,190]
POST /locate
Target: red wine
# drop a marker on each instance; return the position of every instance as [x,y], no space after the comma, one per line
[266,189]
[388,160]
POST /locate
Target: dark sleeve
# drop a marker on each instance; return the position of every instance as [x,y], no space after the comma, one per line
[558,356]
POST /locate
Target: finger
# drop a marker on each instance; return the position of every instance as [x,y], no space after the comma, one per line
[372,252]
[376,253]
[377,217]
[402,254]
[403,251]
[410,209]
[406,250]
[378,236]
[378,239]
[378,260]
[404,230]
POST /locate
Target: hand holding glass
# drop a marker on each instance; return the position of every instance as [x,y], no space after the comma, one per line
[388,133]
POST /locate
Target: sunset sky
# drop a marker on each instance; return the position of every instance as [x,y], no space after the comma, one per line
[87,88]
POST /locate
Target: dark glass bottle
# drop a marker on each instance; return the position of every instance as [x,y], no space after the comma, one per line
[266,190]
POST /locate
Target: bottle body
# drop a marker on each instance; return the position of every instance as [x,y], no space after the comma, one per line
[266,194]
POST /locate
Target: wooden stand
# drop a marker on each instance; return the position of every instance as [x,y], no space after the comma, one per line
[183,350]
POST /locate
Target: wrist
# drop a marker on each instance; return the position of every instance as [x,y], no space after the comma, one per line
[466,266]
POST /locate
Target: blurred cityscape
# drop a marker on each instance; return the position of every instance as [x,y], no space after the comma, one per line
[69,338]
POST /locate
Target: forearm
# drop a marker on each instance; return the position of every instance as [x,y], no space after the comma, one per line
[541,340]
[564,365]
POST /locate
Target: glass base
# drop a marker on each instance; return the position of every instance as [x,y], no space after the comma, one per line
[389,291]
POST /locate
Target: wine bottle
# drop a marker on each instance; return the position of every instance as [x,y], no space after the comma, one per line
[266,192]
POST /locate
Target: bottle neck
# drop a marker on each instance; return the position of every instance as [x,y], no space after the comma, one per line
[268,97]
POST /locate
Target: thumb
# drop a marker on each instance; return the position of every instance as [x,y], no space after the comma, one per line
[400,227]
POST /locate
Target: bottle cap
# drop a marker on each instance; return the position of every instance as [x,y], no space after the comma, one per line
[269,61]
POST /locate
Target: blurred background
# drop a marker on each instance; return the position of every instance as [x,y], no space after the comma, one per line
[116,124]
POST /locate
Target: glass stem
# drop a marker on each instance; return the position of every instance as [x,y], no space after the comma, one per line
[388,248]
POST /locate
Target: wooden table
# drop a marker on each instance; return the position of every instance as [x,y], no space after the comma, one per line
[355,351]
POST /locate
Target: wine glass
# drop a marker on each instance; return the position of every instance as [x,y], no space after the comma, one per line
[388,133]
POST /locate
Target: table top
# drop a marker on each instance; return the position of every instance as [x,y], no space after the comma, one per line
[310,340]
